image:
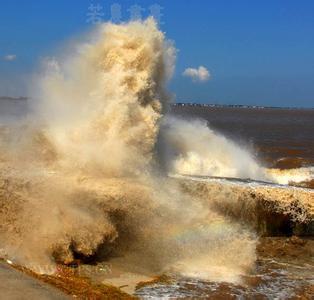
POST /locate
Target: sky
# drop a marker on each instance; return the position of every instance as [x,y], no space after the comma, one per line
[255,52]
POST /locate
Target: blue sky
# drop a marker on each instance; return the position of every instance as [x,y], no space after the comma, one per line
[258,52]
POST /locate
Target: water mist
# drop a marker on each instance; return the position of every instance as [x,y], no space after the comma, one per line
[86,179]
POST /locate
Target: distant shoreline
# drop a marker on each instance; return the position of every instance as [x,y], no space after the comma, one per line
[13,98]
[191,104]
[208,105]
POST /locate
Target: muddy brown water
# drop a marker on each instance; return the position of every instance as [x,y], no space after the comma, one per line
[282,138]
[284,268]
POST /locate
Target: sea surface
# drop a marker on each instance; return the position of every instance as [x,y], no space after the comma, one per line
[280,137]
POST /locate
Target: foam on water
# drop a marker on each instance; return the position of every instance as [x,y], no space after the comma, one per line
[101,187]
[102,147]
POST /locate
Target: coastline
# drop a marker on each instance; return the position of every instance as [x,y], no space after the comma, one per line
[72,285]
[281,248]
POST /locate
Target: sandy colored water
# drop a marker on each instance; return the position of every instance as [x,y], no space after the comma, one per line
[242,200]
[282,138]
[284,270]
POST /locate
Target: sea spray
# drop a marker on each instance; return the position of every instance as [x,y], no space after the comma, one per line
[85,180]
[192,148]
[103,105]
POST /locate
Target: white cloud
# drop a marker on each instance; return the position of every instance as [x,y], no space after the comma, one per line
[201,74]
[10,57]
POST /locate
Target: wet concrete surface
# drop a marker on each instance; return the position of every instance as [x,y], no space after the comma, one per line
[16,285]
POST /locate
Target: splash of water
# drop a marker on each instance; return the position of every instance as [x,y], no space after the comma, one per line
[91,181]
[103,106]
[291,175]
[192,148]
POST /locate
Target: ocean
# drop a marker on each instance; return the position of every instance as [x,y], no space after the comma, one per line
[280,137]
[99,182]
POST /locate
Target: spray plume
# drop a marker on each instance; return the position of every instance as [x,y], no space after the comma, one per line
[86,178]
